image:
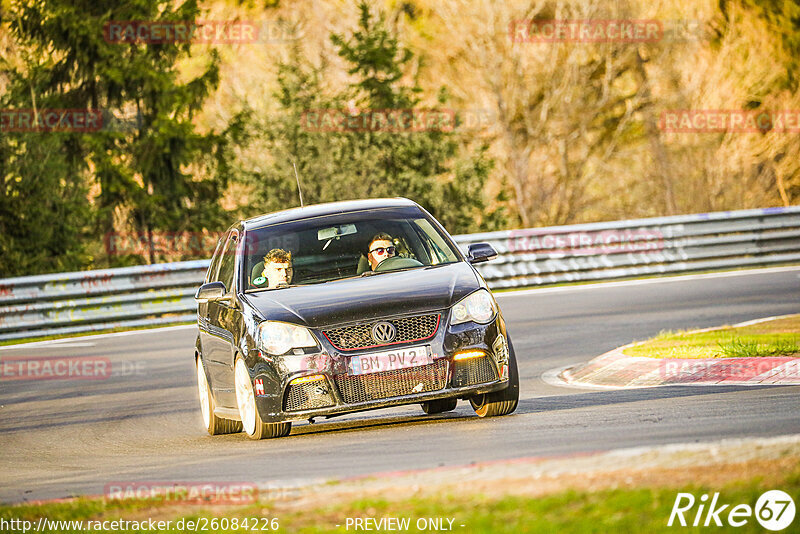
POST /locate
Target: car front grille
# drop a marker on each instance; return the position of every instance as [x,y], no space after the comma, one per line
[474,371]
[308,396]
[359,336]
[375,386]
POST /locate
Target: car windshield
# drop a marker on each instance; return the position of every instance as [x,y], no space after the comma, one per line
[330,248]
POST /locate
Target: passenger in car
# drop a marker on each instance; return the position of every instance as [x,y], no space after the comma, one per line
[381,247]
[278,269]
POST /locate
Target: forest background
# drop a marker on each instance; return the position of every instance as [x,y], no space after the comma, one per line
[539,132]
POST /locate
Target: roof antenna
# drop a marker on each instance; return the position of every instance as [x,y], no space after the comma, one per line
[298,184]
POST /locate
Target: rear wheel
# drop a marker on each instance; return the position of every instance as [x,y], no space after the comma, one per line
[439,406]
[215,425]
[501,402]
[252,424]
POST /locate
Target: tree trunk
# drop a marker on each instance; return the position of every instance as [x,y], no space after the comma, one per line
[654,138]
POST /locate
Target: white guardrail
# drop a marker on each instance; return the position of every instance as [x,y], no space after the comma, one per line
[147,295]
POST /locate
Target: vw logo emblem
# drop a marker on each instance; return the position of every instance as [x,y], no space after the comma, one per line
[383,332]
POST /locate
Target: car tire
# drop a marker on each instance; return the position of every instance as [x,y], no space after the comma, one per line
[439,406]
[252,424]
[501,402]
[214,425]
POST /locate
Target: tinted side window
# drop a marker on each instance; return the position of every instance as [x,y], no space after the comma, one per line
[211,275]
[228,261]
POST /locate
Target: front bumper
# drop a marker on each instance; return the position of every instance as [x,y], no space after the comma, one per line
[393,401]
[333,392]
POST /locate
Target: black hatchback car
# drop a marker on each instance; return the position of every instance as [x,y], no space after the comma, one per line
[373,305]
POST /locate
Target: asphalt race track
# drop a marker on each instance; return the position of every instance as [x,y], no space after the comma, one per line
[69,437]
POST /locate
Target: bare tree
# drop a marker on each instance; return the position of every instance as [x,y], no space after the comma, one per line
[563,108]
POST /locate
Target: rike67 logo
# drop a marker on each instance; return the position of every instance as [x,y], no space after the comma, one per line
[774,510]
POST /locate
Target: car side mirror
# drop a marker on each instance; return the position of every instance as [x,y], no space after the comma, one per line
[480,252]
[210,291]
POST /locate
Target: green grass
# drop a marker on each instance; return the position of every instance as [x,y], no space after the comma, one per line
[615,510]
[779,337]
[749,348]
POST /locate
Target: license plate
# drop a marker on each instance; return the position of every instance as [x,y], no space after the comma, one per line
[390,360]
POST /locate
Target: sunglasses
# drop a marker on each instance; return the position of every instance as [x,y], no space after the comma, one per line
[383,250]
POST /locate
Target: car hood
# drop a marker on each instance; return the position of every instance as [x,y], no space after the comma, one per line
[366,298]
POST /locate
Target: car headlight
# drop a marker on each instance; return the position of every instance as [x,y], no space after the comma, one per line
[279,338]
[478,307]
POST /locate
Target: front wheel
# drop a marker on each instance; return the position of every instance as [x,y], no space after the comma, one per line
[254,427]
[214,425]
[501,402]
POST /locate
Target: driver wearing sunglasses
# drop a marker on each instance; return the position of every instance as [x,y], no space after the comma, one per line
[381,247]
